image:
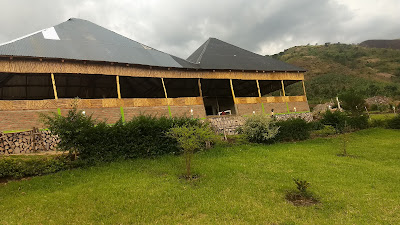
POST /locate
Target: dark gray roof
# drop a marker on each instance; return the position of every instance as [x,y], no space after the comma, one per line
[83,40]
[216,54]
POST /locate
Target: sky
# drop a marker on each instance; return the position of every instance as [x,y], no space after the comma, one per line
[179,27]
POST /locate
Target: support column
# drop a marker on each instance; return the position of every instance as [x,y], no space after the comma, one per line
[121,108]
[53,81]
[166,96]
[200,91]
[234,97]
[304,89]
[284,94]
[259,95]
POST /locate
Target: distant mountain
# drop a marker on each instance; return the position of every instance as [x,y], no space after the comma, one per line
[336,68]
[393,44]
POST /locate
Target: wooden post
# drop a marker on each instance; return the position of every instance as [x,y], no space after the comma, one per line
[118,87]
[233,95]
[166,96]
[283,88]
[304,88]
[200,91]
[259,95]
[54,86]
[258,87]
[119,97]
[165,90]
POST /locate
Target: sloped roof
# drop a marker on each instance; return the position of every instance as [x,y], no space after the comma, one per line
[79,39]
[83,40]
[217,54]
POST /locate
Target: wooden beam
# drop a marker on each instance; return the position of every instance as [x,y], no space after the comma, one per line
[233,91]
[53,81]
[165,89]
[283,88]
[118,87]
[258,87]
[200,91]
[304,88]
[77,67]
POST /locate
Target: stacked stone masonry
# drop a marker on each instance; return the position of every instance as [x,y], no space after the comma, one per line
[26,142]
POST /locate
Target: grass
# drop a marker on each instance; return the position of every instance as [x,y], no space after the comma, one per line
[237,185]
[382,116]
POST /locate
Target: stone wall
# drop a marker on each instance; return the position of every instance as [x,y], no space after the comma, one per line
[22,142]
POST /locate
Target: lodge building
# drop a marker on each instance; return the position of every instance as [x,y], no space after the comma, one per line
[111,76]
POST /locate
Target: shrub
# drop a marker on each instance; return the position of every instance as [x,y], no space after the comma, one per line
[394,123]
[339,120]
[316,125]
[377,123]
[293,129]
[259,129]
[335,119]
[18,167]
[69,128]
[190,139]
[352,101]
[357,122]
[143,136]
[326,131]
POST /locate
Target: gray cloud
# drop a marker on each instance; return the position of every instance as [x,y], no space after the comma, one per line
[179,27]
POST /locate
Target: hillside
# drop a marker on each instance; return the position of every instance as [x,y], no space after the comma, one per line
[336,68]
[393,44]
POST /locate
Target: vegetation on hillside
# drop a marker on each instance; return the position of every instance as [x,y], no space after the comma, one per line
[336,68]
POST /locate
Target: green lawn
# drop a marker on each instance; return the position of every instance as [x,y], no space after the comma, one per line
[382,116]
[238,185]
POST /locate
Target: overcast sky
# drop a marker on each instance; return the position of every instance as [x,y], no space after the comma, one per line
[178,27]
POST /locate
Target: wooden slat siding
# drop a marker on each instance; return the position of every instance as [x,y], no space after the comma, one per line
[247,100]
[15,105]
[36,66]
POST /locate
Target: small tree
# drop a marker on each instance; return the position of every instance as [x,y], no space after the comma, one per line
[191,139]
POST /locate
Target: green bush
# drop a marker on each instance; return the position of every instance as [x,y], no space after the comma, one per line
[293,129]
[339,120]
[315,125]
[358,122]
[335,119]
[18,167]
[143,136]
[352,101]
[394,123]
[378,123]
[259,129]
[324,132]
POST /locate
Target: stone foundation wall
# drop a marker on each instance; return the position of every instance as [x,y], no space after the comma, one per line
[22,143]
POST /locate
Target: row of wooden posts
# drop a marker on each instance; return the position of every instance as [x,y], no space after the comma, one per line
[165,89]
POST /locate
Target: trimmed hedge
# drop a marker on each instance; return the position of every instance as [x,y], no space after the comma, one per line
[18,167]
[394,123]
[143,136]
[294,129]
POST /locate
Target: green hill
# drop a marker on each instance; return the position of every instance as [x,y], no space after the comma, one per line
[336,68]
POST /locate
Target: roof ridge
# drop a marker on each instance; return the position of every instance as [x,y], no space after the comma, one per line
[202,52]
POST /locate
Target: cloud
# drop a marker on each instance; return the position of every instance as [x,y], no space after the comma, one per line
[178,27]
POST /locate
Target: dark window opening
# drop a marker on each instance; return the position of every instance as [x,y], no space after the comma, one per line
[245,88]
[293,87]
[181,87]
[217,96]
[141,87]
[270,88]
[86,86]
[25,86]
